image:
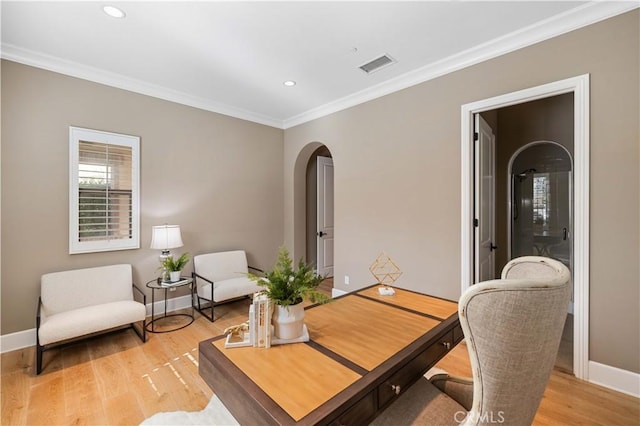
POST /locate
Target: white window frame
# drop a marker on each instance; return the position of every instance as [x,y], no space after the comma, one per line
[77,134]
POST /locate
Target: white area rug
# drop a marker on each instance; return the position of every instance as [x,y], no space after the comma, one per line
[213,414]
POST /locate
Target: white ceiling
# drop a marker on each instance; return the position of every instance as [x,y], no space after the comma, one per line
[232,57]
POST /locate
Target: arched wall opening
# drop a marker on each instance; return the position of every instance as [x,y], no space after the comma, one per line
[304,227]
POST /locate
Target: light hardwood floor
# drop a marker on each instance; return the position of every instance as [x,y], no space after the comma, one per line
[116,379]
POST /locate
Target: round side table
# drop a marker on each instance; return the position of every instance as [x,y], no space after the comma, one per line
[158,285]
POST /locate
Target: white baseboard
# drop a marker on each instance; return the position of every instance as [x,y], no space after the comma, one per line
[24,339]
[14,341]
[335,292]
[174,304]
[615,378]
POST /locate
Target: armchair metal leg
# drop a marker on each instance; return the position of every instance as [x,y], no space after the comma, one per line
[213,304]
[202,310]
[39,351]
[195,302]
[141,334]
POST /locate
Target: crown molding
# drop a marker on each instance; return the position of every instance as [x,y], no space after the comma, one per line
[579,17]
[96,75]
[573,19]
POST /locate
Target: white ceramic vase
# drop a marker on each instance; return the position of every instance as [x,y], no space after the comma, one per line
[288,322]
[174,276]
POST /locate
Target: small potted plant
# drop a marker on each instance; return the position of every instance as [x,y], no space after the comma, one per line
[287,288]
[174,266]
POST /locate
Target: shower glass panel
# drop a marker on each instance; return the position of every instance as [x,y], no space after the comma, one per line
[541,215]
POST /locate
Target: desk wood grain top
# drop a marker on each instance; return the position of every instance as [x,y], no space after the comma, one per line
[350,337]
[428,305]
[315,377]
[364,331]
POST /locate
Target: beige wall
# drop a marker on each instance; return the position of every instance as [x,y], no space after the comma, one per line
[397,175]
[218,177]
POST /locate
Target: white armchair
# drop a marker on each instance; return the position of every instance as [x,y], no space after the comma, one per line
[81,302]
[221,278]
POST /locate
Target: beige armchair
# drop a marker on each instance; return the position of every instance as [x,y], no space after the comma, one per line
[512,328]
[220,278]
[80,302]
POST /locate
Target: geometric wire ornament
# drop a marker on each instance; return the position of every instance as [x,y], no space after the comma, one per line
[385,270]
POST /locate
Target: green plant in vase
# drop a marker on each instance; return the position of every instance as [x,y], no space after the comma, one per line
[173,267]
[287,288]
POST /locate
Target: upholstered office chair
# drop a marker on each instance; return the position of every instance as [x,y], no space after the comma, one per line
[512,327]
[220,278]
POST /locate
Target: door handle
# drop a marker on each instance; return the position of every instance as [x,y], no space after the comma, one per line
[321,234]
[565,233]
[492,247]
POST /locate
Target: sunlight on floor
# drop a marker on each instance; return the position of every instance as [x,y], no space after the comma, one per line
[174,372]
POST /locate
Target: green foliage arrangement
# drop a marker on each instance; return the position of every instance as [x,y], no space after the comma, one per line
[286,287]
[171,265]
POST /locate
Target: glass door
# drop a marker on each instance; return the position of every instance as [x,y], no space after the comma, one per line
[541,214]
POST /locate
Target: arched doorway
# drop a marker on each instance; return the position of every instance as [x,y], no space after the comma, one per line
[301,224]
[540,200]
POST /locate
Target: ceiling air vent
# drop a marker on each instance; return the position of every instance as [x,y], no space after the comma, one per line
[377,64]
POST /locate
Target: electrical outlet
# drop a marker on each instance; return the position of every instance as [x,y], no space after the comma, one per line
[346,279]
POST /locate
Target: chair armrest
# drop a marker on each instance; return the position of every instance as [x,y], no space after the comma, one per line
[144,296]
[458,388]
[194,275]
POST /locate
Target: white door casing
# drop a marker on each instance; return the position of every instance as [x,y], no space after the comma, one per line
[325,233]
[484,188]
[579,86]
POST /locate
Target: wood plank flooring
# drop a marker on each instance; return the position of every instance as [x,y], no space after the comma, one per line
[116,379]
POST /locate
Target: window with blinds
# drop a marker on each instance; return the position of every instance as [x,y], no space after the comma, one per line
[104,191]
[541,196]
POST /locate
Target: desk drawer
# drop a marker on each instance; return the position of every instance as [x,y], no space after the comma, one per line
[361,412]
[400,380]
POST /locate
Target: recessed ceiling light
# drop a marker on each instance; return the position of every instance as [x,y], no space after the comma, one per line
[114,12]
[289,83]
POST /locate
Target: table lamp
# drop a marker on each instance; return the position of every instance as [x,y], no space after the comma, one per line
[166,237]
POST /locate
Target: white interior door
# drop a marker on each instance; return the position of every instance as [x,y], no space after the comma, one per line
[579,86]
[484,183]
[325,216]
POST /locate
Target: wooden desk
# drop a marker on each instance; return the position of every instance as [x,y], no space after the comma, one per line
[364,350]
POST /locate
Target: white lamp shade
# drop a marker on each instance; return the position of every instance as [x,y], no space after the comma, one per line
[165,237]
